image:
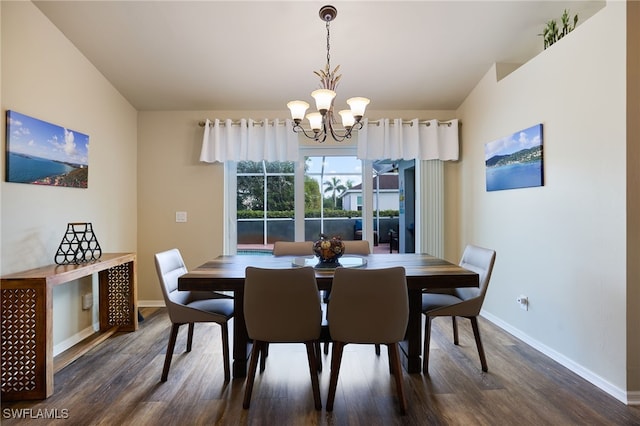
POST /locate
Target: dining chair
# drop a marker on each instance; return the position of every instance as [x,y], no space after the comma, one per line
[360,247]
[368,306]
[282,306]
[189,307]
[460,302]
[357,247]
[293,248]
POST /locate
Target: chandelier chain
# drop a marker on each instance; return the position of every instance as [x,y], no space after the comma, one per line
[328,48]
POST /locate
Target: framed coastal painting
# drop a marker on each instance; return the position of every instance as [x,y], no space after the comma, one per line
[515,161]
[42,153]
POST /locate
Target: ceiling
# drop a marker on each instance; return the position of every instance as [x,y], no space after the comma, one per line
[240,55]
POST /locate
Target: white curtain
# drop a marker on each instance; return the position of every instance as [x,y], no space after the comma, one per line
[249,140]
[386,139]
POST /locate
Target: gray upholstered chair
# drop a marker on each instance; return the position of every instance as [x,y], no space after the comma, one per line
[293,248]
[460,302]
[361,247]
[282,306]
[189,307]
[356,247]
[368,306]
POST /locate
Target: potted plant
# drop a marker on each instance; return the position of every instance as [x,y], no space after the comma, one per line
[553,33]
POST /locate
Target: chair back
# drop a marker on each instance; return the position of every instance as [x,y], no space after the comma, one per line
[282,305]
[170,266]
[368,305]
[479,260]
[357,247]
[293,248]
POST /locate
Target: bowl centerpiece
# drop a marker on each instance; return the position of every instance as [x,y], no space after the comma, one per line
[328,250]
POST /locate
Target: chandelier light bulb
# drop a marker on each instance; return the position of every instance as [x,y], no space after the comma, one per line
[324,98]
[347,118]
[358,105]
[315,121]
[297,108]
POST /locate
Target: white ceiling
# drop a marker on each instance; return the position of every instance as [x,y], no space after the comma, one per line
[240,55]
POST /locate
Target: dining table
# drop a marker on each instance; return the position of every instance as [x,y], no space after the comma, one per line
[423,272]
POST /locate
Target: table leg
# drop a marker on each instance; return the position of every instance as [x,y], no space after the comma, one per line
[241,344]
[411,347]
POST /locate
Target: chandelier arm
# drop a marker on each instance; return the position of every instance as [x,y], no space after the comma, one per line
[315,136]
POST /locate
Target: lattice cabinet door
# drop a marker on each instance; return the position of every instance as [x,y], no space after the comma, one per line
[117,297]
[26,372]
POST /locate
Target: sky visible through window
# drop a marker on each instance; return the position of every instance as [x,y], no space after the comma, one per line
[344,168]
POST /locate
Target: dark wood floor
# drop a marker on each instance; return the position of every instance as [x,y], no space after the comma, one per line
[118,383]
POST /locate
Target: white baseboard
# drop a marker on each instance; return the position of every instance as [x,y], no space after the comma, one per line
[629,398]
[75,339]
[151,303]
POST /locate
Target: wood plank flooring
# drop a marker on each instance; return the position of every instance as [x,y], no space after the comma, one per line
[118,383]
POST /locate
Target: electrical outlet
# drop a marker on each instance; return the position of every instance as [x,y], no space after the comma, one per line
[523,301]
[87,301]
[181,216]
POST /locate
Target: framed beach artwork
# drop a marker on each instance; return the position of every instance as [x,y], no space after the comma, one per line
[515,161]
[42,153]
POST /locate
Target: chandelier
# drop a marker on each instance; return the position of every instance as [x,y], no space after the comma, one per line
[322,122]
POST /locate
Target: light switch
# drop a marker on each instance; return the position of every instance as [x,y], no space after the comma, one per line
[181,216]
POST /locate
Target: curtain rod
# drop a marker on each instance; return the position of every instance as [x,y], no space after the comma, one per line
[259,123]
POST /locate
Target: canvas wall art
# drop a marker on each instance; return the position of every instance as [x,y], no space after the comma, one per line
[42,153]
[515,161]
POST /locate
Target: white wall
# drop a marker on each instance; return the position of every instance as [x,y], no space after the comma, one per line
[46,77]
[564,244]
[388,200]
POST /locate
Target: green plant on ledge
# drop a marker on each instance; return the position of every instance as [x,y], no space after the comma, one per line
[553,33]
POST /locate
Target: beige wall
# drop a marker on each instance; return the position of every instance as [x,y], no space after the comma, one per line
[46,77]
[564,244]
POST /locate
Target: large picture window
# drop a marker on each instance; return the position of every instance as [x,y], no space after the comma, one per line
[325,192]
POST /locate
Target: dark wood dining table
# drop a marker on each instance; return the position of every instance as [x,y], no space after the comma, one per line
[423,271]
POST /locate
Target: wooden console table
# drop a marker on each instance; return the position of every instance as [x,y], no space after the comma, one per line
[28,365]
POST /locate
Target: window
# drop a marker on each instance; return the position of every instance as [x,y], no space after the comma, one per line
[265,202]
[330,182]
[324,192]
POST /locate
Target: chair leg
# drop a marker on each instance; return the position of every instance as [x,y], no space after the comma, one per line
[397,373]
[312,349]
[455,330]
[262,353]
[190,336]
[476,334]
[251,375]
[225,351]
[427,341]
[336,359]
[316,348]
[170,346]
